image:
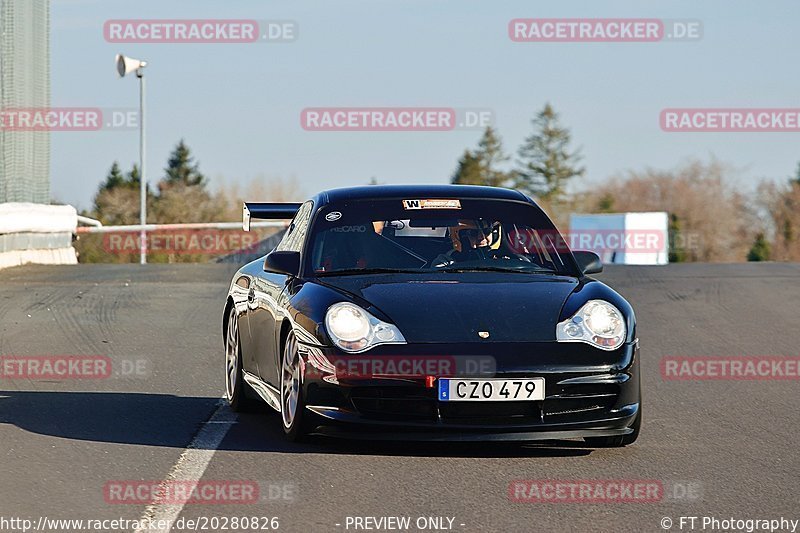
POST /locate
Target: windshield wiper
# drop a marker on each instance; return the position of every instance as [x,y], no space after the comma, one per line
[351,271]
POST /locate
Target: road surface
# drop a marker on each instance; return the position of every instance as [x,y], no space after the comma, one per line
[717,448]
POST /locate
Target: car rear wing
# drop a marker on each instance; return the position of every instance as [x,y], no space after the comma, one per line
[267,211]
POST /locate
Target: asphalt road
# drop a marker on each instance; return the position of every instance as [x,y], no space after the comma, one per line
[719,448]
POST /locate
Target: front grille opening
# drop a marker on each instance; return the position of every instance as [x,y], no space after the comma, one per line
[579,399]
[395,402]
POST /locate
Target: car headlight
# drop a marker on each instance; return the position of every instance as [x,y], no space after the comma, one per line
[355,330]
[598,323]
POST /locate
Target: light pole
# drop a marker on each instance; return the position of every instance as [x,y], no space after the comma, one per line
[126,65]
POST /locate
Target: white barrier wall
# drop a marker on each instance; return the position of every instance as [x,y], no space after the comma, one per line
[623,238]
[37,233]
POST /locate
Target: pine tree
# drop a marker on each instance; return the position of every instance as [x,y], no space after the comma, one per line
[114,178]
[760,250]
[181,168]
[481,166]
[112,187]
[490,155]
[117,200]
[182,194]
[468,171]
[133,177]
[545,162]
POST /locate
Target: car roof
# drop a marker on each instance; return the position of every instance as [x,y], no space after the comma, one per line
[372,192]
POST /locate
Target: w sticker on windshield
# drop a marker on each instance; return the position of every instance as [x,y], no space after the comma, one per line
[432,204]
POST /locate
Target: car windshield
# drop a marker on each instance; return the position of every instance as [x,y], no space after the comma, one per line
[441,235]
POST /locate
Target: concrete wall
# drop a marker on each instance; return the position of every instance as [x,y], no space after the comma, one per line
[37,233]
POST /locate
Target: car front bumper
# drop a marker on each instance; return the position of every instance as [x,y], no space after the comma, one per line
[588,393]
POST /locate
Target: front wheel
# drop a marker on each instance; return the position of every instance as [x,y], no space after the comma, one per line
[236,389]
[292,402]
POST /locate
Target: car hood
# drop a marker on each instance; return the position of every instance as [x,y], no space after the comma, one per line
[439,308]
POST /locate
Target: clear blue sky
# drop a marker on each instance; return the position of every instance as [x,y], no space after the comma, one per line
[238,105]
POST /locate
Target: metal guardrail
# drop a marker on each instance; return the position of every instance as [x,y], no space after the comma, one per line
[167,227]
[88,221]
[97,227]
[43,233]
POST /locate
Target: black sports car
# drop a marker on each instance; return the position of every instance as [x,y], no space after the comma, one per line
[430,313]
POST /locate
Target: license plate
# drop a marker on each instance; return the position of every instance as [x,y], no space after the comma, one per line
[491,390]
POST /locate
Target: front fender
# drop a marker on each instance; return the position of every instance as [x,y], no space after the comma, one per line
[591,289]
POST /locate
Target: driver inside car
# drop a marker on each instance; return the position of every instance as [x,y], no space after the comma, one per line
[472,241]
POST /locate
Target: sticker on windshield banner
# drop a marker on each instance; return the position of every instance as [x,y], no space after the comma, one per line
[432,204]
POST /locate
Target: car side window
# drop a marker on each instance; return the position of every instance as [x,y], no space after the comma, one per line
[295,235]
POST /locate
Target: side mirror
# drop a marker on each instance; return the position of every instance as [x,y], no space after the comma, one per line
[283,263]
[588,262]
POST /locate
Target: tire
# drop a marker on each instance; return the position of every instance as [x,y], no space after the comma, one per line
[618,441]
[238,393]
[293,416]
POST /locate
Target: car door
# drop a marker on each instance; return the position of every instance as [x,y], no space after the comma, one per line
[266,311]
